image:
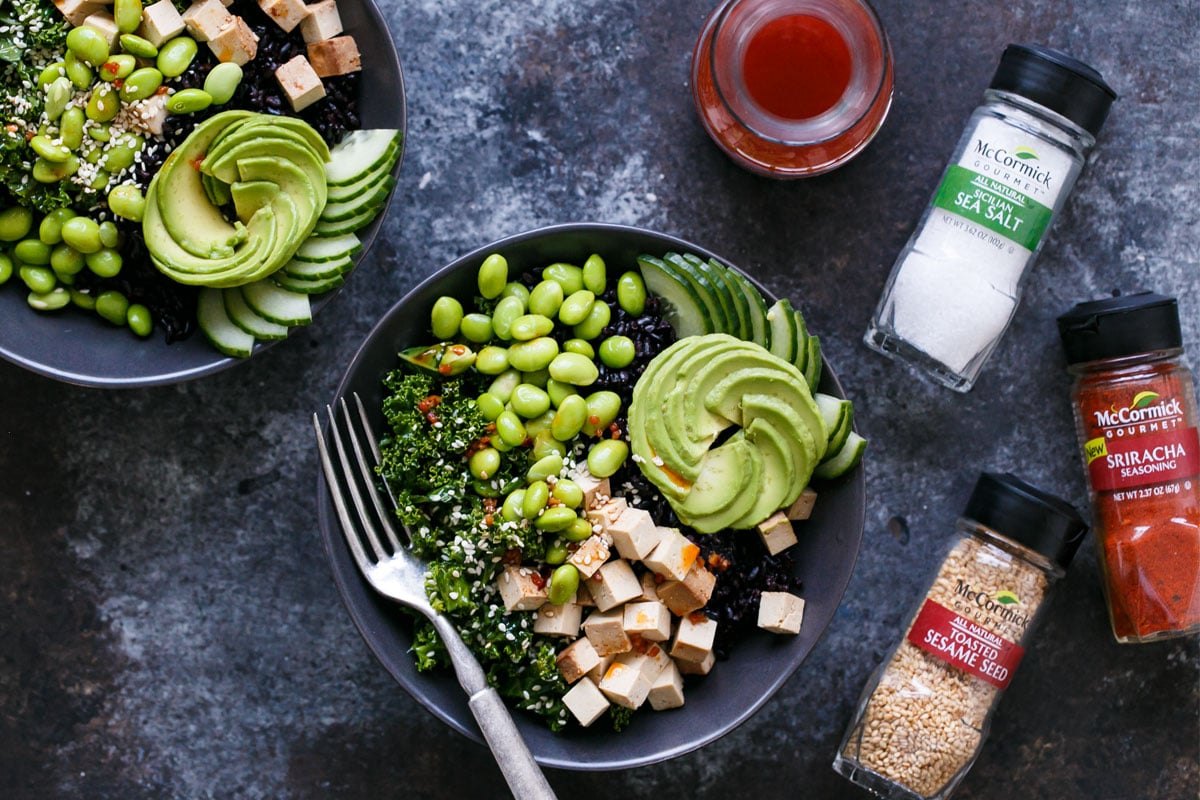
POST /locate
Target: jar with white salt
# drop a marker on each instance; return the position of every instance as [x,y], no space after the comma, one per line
[925,713]
[956,284]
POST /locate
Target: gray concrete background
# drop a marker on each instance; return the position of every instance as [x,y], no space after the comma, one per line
[168,627]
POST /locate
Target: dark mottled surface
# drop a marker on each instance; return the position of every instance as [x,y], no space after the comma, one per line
[168,627]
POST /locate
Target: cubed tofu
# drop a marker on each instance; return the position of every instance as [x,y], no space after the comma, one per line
[604,514]
[151,114]
[625,685]
[286,13]
[649,657]
[590,555]
[691,593]
[694,638]
[586,702]
[237,43]
[206,18]
[103,23]
[595,490]
[160,22]
[614,584]
[300,83]
[521,588]
[606,631]
[780,612]
[776,532]
[561,620]
[697,667]
[673,556]
[76,11]
[802,508]
[666,691]
[649,619]
[323,22]
[634,533]
[577,659]
[650,583]
[583,597]
[596,673]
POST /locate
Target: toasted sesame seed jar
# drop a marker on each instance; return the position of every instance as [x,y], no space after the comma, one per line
[925,712]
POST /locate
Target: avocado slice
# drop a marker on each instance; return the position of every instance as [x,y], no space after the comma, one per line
[726,397]
[805,449]
[778,475]
[727,489]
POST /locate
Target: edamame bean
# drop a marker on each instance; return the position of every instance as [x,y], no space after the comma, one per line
[58,95]
[545,467]
[581,346]
[112,305]
[117,68]
[83,234]
[568,276]
[558,391]
[617,352]
[83,300]
[508,310]
[6,269]
[222,81]
[555,518]
[530,326]
[493,276]
[597,320]
[48,172]
[538,425]
[110,234]
[446,317]
[15,223]
[578,531]
[568,493]
[545,444]
[140,84]
[546,298]
[100,132]
[564,583]
[530,401]
[490,406]
[88,44]
[79,74]
[510,429]
[66,260]
[510,510]
[603,408]
[484,488]
[104,103]
[127,14]
[538,378]
[518,290]
[189,101]
[533,355]
[38,279]
[70,126]
[631,293]
[476,327]
[576,308]
[56,298]
[484,463]
[118,157]
[537,494]
[127,202]
[569,419]
[137,46]
[556,553]
[491,360]
[176,56]
[574,369]
[34,252]
[139,320]
[47,149]
[502,387]
[595,274]
[105,262]
[50,74]
[606,457]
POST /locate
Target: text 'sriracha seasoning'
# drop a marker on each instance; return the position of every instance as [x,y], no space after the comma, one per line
[925,712]
[1135,412]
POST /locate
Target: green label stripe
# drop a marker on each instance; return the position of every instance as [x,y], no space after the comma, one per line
[993,205]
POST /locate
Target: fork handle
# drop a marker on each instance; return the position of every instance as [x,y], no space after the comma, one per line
[524,776]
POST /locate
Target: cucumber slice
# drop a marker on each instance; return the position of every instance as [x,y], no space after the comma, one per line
[721,290]
[782,322]
[344,226]
[740,309]
[801,357]
[306,286]
[812,368]
[839,418]
[843,460]
[216,326]
[248,320]
[331,248]
[373,200]
[685,311]
[708,294]
[361,152]
[317,270]
[760,331]
[366,184]
[282,306]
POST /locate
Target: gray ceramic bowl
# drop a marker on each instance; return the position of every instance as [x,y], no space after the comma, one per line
[716,703]
[81,348]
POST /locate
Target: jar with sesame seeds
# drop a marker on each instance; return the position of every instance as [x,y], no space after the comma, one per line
[925,713]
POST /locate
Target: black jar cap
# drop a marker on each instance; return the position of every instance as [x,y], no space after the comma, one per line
[1057,81]
[1028,516]
[1120,326]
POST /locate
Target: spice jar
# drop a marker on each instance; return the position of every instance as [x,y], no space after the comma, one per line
[926,710]
[955,286]
[1135,413]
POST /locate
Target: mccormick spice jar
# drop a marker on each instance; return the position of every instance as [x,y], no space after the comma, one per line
[926,711]
[1135,412]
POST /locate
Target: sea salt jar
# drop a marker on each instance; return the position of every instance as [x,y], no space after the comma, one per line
[956,284]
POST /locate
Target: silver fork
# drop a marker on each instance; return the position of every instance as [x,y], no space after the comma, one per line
[396,573]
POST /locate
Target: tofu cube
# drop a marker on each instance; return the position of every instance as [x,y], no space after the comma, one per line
[583,597]
[776,532]
[323,22]
[780,612]
[596,673]
[614,584]
[634,533]
[300,83]
[151,113]
[673,556]
[521,589]
[237,43]
[561,620]
[76,11]
[649,586]
[604,514]
[593,488]
[802,508]
[586,702]
[646,656]
[697,667]
[625,685]
[286,13]
[651,620]
[577,659]
[160,22]
[590,555]
[694,638]
[691,593]
[606,631]
[666,691]
[205,19]
[103,23]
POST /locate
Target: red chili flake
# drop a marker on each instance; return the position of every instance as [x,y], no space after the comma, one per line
[614,430]
[538,580]
[432,417]
[118,83]
[433,401]
[444,369]
[487,520]
[594,419]
[554,501]
[11,128]
[696,617]
[489,504]
[29,135]
[196,162]
[490,427]
[110,68]
[162,89]
[718,562]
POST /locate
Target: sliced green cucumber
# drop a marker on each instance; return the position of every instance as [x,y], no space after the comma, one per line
[844,460]
[720,291]
[344,226]
[682,307]
[331,248]
[736,308]
[839,419]
[760,331]
[708,294]
[373,199]
[740,302]
[782,322]
[801,357]
[247,319]
[282,306]
[216,326]
[317,270]
[305,285]
[361,152]
[368,183]
[812,367]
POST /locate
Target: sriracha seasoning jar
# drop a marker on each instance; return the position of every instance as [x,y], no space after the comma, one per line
[1135,411]
[792,88]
